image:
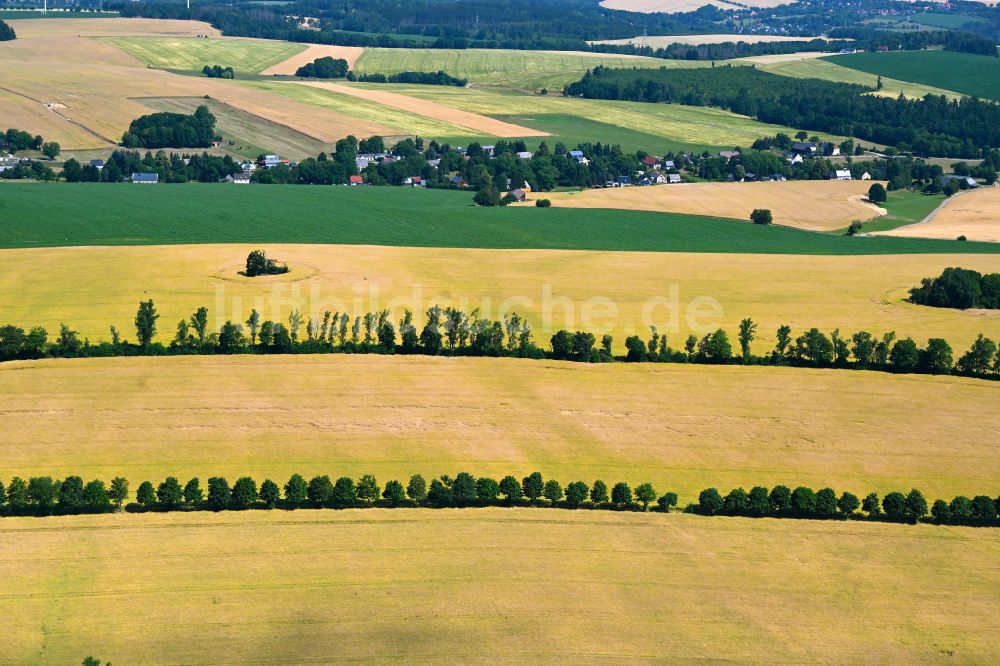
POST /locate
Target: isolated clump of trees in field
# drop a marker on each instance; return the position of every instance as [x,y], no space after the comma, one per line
[43,496]
[171,130]
[324,68]
[218,72]
[454,332]
[6,32]
[258,263]
[959,288]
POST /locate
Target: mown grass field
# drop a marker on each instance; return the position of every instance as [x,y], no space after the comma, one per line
[85,214]
[245,56]
[519,70]
[399,121]
[833,69]
[682,428]
[603,292]
[427,586]
[905,208]
[965,73]
[245,129]
[675,124]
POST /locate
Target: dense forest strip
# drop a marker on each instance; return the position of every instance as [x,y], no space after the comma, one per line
[931,126]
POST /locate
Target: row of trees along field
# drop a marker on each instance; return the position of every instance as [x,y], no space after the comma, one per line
[172,168]
[43,496]
[803,502]
[450,331]
[933,125]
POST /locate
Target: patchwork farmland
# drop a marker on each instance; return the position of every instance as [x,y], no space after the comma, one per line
[108,392]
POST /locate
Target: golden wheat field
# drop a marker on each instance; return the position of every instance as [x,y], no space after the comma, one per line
[974,214]
[503,586]
[617,292]
[683,428]
[815,205]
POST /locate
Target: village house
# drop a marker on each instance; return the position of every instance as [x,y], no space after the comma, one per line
[841,174]
[729,154]
[356,180]
[146,178]
[804,148]
[238,179]
[526,155]
[518,194]
[97,164]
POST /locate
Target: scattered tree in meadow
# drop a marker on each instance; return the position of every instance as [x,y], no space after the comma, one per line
[761,216]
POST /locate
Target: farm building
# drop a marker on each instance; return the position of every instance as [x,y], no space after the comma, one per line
[729,154]
[357,180]
[525,154]
[841,174]
[804,148]
[238,179]
[964,182]
[146,178]
[97,164]
[518,194]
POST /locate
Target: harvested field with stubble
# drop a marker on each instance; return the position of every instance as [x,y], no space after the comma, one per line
[806,204]
[311,53]
[425,586]
[975,215]
[604,292]
[681,427]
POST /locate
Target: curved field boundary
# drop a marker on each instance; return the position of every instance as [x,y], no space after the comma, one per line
[974,214]
[311,53]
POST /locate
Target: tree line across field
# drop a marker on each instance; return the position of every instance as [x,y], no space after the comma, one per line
[454,332]
[933,125]
[43,496]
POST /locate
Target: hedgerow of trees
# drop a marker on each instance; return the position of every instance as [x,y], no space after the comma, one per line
[172,130]
[933,125]
[453,332]
[438,78]
[44,496]
[959,288]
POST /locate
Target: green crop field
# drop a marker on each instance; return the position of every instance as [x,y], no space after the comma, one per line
[677,124]
[946,21]
[519,70]
[246,56]
[407,123]
[64,214]
[825,68]
[965,73]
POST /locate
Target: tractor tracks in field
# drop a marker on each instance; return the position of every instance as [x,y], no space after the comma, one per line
[55,110]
